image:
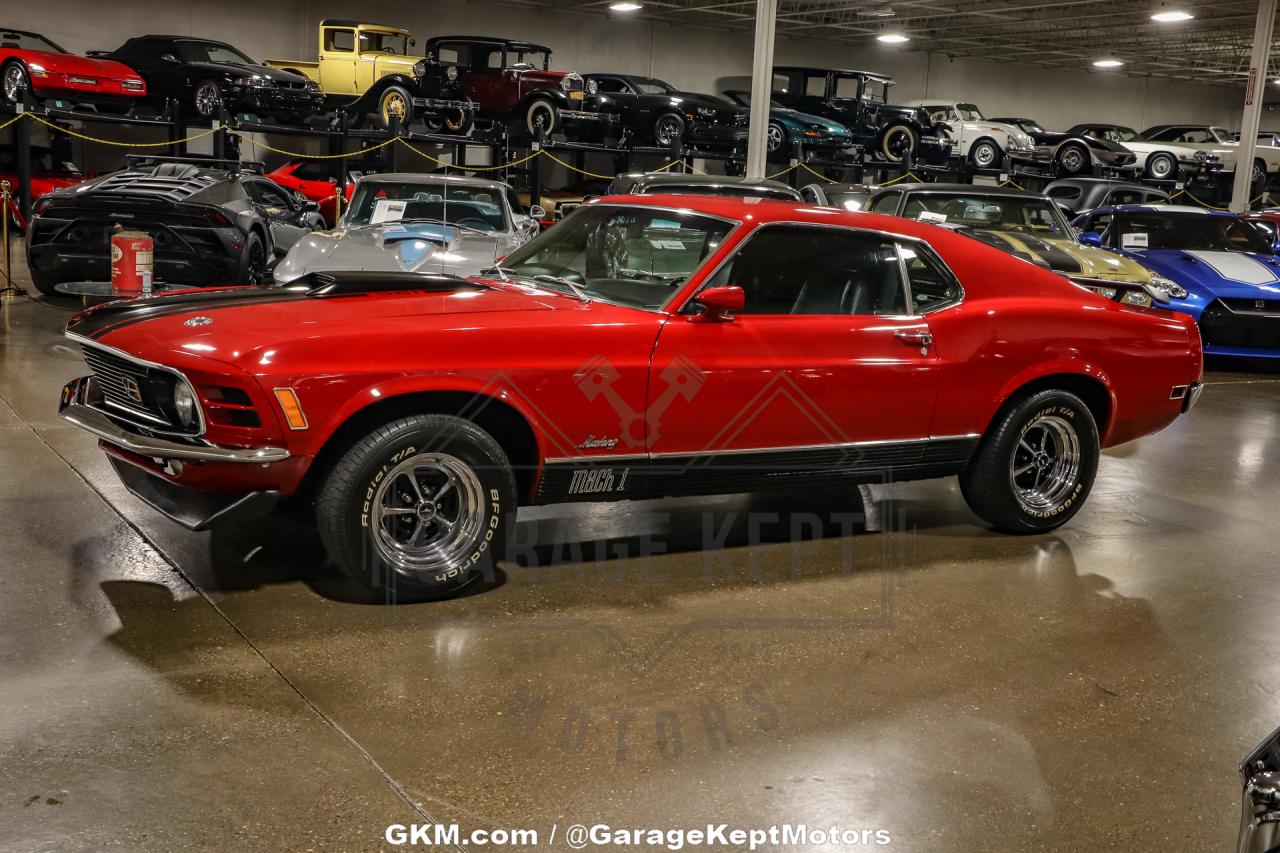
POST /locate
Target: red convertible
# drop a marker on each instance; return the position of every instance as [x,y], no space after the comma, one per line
[646,346]
[32,62]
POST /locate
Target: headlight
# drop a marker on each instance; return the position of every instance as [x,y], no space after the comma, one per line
[565,83]
[451,72]
[259,82]
[185,405]
[1175,290]
[313,85]
[592,87]
[704,112]
[419,68]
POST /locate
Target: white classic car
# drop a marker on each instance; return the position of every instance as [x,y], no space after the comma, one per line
[1163,161]
[1220,141]
[978,140]
[416,223]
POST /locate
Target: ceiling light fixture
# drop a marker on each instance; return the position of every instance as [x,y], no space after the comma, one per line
[1108,63]
[1172,16]
[626,7]
[893,38]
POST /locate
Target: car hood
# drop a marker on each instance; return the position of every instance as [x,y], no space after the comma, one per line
[238,69]
[1063,256]
[1233,275]
[408,247]
[246,326]
[88,66]
[1180,151]
[834,128]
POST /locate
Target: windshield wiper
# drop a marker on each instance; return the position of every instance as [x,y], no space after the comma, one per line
[471,228]
[500,270]
[555,279]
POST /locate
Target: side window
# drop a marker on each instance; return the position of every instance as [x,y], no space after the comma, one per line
[1100,224]
[451,53]
[847,87]
[1124,197]
[931,287]
[784,83]
[494,59]
[340,40]
[611,85]
[815,86]
[268,194]
[1155,198]
[1064,193]
[887,203]
[809,194]
[796,269]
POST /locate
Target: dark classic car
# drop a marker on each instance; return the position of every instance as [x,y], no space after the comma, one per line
[512,81]
[859,101]
[213,222]
[1073,153]
[655,110]
[683,183]
[787,126]
[32,63]
[847,196]
[1260,798]
[207,74]
[1081,195]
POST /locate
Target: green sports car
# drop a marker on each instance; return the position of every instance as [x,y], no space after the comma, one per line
[787,126]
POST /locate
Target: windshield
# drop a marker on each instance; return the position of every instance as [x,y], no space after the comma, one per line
[969,112]
[375,42]
[735,190]
[1193,231]
[531,58]
[14,39]
[1115,134]
[210,51]
[849,200]
[1222,135]
[471,207]
[989,212]
[634,256]
[649,86]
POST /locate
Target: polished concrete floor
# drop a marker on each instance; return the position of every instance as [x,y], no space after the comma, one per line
[966,691]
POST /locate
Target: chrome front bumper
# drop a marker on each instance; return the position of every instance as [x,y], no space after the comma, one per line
[75,407]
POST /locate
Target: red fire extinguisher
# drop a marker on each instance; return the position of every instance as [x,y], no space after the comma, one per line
[131,263]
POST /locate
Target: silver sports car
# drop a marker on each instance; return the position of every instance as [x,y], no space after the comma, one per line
[416,223]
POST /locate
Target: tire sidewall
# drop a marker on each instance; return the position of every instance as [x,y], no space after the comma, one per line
[782,137]
[1062,160]
[218,99]
[26,78]
[985,144]
[246,259]
[1165,158]
[892,131]
[663,119]
[385,454]
[545,107]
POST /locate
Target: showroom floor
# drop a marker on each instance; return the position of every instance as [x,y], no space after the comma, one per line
[166,690]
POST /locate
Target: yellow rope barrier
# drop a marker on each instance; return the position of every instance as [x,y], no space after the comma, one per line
[297,155]
[668,166]
[556,159]
[448,165]
[98,141]
[901,178]
[783,172]
[12,120]
[816,173]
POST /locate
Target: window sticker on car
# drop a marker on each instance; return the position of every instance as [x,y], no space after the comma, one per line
[666,244]
[930,216]
[1135,241]
[387,210]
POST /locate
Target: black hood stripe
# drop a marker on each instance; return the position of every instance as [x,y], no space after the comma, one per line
[108,318]
[1058,259]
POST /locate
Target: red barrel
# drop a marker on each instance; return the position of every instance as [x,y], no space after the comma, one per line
[131,263]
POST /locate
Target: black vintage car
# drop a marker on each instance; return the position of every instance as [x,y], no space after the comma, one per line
[656,111]
[859,100]
[213,222]
[203,74]
[1081,195]
[1074,153]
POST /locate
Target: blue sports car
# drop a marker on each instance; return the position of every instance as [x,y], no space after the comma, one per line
[786,126]
[1224,268]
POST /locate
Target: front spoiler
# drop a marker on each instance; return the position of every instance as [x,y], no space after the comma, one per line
[192,509]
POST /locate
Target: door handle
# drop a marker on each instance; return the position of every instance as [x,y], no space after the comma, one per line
[920,339]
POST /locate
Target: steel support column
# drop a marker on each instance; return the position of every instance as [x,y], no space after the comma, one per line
[762,87]
[1255,90]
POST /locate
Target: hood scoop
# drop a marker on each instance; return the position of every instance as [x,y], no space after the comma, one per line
[322,284]
[445,235]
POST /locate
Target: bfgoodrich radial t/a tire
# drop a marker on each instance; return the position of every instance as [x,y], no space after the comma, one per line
[1036,465]
[421,506]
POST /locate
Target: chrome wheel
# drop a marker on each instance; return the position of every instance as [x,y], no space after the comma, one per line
[1259,173]
[985,155]
[208,98]
[668,130]
[776,137]
[428,514]
[1045,464]
[1161,166]
[1071,160]
[15,80]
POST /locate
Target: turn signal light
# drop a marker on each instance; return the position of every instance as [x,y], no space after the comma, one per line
[291,407]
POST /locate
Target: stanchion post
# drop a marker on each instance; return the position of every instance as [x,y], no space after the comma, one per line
[797,157]
[391,153]
[677,154]
[22,153]
[177,128]
[338,145]
[535,167]
[5,215]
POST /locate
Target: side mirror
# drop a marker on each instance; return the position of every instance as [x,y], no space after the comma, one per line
[413,42]
[1090,238]
[718,303]
[537,211]
[170,58]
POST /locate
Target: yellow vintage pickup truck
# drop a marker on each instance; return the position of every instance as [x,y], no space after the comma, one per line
[366,68]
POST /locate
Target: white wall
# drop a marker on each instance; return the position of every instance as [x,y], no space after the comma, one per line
[693,58]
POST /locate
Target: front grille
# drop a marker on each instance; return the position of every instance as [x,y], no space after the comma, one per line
[133,391]
[1247,328]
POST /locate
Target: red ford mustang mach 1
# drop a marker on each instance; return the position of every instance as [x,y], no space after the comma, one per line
[644,347]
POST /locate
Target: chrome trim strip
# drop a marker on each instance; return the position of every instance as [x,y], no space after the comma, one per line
[95,422]
[83,341]
[795,448]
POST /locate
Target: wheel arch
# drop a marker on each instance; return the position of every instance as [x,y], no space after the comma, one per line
[555,96]
[496,414]
[1087,382]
